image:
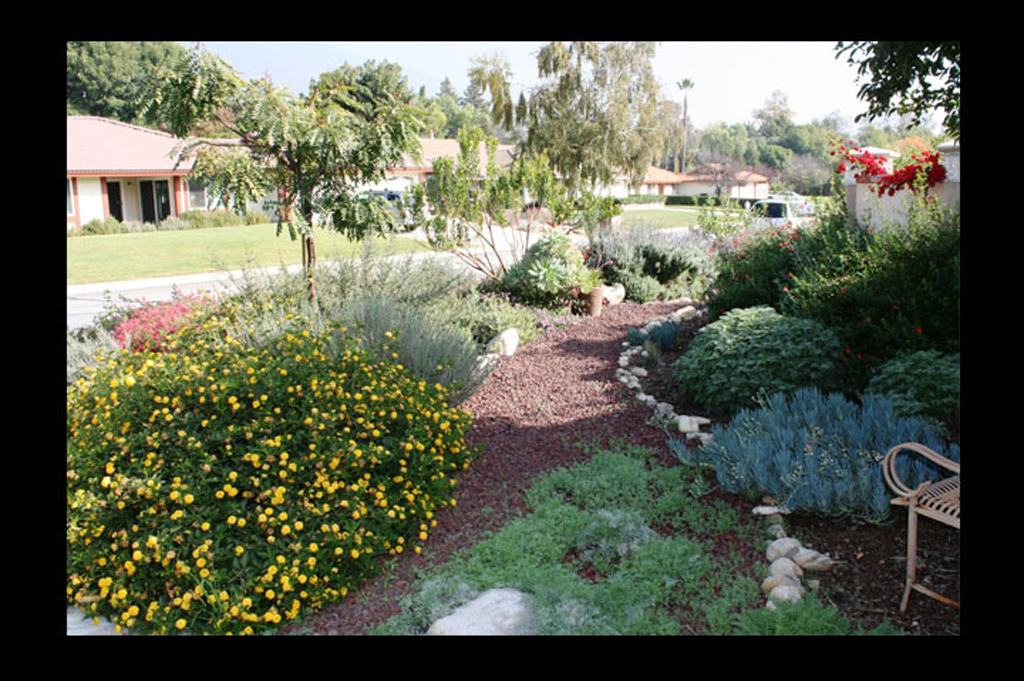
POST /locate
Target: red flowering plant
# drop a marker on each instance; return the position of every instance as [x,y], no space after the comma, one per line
[872,168]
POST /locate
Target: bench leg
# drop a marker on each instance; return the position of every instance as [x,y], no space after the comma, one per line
[911,554]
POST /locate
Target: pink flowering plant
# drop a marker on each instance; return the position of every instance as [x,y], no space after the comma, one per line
[147,328]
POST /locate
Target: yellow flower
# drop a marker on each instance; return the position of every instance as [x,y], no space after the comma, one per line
[180,624]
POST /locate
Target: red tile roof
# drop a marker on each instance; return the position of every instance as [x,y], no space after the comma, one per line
[657,175]
[103,146]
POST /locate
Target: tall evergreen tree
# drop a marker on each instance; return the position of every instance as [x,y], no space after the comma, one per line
[107,78]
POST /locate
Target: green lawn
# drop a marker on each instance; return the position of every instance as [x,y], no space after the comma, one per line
[117,257]
[660,218]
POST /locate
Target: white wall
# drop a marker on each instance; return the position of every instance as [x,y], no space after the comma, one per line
[90,198]
[864,203]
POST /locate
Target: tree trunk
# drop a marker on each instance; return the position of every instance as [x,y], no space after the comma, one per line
[309,256]
[309,265]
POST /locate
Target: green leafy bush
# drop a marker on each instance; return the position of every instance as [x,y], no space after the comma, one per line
[653,265]
[550,269]
[887,293]
[821,453]
[754,268]
[238,486]
[924,384]
[107,225]
[756,351]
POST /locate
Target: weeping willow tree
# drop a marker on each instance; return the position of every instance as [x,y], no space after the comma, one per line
[596,113]
[318,151]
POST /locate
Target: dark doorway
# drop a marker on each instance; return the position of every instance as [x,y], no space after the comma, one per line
[114,199]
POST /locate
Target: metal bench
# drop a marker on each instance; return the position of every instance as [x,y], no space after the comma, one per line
[939,501]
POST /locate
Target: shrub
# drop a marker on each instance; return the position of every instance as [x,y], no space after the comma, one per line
[229,491]
[924,384]
[754,268]
[107,225]
[640,287]
[887,293]
[550,269]
[485,315]
[820,453]
[430,347]
[653,265]
[148,327]
[754,351]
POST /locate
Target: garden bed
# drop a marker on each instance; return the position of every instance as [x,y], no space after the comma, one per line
[561,390]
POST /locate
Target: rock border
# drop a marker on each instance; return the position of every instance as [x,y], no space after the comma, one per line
[789,560]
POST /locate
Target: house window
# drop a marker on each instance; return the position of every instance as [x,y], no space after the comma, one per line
[71,199]
[196,194]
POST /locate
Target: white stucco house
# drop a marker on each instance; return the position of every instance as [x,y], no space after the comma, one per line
[125,171]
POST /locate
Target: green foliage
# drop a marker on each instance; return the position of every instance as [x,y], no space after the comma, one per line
[886,292]
[754,269]
[107,225]
[753,351]
[923,384]
[430,348]
[652,265]
[820,453]
[903,78]
[238,486]
[809,617]
[551,268]
[107,78]
[595,518]
[595,113]
[487,315]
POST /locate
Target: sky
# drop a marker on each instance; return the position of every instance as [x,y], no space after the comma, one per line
[731,79]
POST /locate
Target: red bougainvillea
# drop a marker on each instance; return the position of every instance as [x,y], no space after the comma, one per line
[872,168]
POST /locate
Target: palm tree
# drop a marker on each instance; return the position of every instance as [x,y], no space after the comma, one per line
[684,85]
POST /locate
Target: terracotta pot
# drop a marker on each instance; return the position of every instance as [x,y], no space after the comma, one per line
[595,299]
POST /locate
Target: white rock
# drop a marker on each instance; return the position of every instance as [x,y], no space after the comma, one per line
[485,363]
[786,566]
[769,510]
[782,548]
[687,313]
[810,559]
[614,294]
[505,343]
[772,582]
[665,408]
[498,612]
[793,594]
[688,424]
[638,371]
[703,438]
[777,531]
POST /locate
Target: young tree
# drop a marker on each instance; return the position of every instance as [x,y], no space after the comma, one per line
[318,150]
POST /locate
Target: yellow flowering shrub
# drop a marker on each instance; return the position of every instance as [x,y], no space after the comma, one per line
[229,487]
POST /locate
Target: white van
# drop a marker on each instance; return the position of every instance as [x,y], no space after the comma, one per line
[781,212]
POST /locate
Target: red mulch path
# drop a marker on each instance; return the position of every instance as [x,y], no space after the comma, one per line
[561,390]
